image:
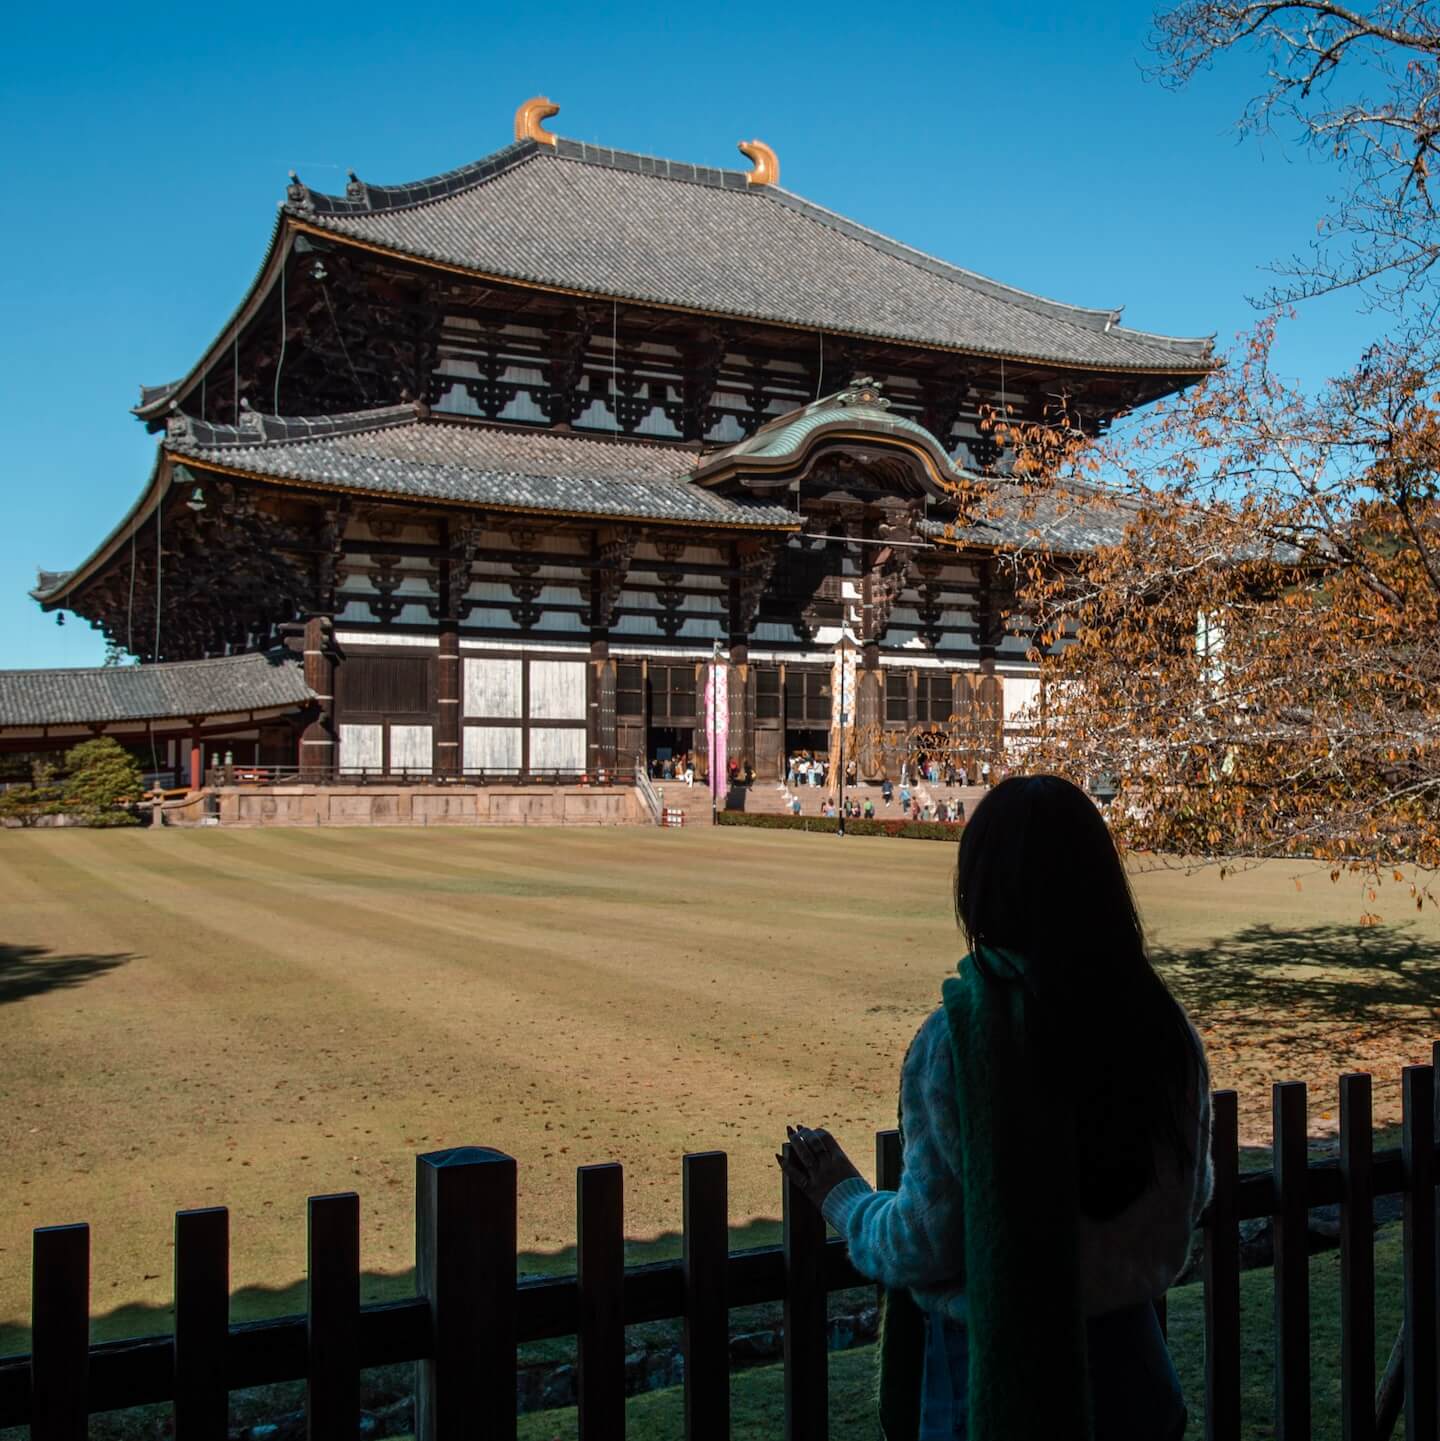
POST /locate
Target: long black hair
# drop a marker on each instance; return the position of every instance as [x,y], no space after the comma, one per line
[1039,875]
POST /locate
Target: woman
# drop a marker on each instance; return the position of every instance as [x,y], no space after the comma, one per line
[1055,1121]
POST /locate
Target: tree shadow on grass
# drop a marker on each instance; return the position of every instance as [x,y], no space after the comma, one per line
[27,971]
[1351,975]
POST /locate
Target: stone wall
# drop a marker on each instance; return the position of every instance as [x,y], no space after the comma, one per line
[438,805]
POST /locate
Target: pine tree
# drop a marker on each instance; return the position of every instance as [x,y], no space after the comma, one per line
[102,778]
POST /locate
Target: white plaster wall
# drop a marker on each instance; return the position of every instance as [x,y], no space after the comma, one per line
[492,688]
[1022,699]
[410,748]
[491,748]
[554,748]
[360,748]
[557,691]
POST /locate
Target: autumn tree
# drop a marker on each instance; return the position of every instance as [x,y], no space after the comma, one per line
[1360,88]
[1251,654]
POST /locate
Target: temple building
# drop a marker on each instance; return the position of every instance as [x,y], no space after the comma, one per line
[574,457]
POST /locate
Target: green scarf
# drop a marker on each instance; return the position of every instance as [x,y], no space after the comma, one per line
[1028,1375]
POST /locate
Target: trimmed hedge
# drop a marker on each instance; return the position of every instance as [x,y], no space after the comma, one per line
[906,830]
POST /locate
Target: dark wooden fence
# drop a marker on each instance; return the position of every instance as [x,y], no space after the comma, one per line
[469,1313]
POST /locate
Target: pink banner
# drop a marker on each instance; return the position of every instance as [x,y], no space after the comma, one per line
[717,724]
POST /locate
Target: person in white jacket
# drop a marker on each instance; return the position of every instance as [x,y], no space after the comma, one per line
[1039,877]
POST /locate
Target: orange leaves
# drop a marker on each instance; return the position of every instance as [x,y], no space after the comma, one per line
[1254,655]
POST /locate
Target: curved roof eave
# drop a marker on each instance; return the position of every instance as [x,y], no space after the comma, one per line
[54,596]
[155,400]
[1194,351]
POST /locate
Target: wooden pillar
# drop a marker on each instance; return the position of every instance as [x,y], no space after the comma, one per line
[869,714]
[987,618]
[449,758]
[317,741]
[197,775]
[600,724]
[740,733]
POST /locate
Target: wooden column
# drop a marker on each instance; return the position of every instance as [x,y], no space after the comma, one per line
[869,712]
[449,760]
[317,741]
[987,617]
[600,722]
[740,733]
[197,776]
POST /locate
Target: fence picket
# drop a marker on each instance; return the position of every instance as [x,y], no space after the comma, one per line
[59,1333]
[706,1332]
[332,1383]
[465,1267]
[1357,1261]
[1418,1148]
[202,1324]
[1222,1276]
[1435,1132]
[807,1379]
[888,1164]
[1292,1262]
[600,1272]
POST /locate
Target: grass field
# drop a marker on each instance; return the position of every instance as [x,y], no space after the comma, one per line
[250,1017]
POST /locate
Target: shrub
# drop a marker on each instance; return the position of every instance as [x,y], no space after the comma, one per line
[102,784]
[906,830]
[27,803]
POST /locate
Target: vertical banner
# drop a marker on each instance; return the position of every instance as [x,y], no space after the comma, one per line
[842,712]
[717,724]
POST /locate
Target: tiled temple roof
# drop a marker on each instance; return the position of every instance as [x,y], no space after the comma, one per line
[394,452]
[1067,519]
[171,689]
[602,222]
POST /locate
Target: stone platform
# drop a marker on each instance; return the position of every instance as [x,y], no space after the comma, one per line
[421,805]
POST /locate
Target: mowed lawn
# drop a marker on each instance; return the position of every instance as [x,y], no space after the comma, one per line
[189,1018]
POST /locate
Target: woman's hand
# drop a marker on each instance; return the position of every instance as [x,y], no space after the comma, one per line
[815,1163]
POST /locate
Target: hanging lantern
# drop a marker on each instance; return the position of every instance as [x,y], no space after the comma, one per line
[197,500]
[59,617]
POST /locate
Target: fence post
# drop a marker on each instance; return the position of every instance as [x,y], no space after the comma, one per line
[1291,1230]
[332,1321]
[888,1164]
[1418,1146]
[1357,1260]
[600,1276]
[202,1324]
[1435,1131]
[60,1333]
[807,1389]
[1222,1277]
[706,1334]
[465,1268]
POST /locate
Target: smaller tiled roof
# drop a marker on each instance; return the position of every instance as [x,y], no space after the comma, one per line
[860,409]
[1069,520]
[397,453]
[168,690]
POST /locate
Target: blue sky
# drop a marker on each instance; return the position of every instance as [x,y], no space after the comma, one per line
[148,146]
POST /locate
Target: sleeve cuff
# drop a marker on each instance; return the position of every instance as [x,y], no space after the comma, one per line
[843,1199]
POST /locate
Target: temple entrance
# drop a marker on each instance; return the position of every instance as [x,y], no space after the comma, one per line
[802,742]
[665,745]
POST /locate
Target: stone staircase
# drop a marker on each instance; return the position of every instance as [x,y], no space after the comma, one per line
[693,800]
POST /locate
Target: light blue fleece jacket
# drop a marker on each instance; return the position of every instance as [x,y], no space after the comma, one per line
[914,1237]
